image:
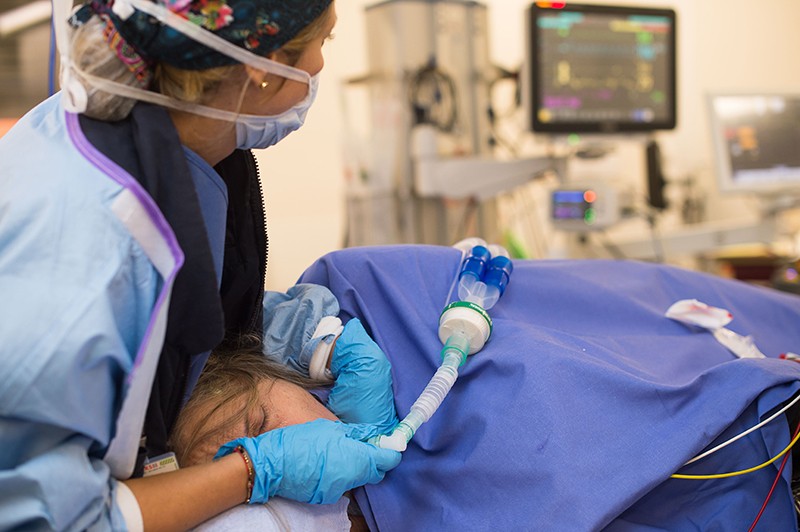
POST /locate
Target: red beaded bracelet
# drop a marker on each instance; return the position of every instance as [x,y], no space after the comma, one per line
[251,473]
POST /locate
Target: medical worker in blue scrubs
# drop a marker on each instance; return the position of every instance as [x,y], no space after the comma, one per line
[133,241]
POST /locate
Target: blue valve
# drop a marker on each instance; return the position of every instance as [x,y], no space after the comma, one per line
[498,273]
[475,263]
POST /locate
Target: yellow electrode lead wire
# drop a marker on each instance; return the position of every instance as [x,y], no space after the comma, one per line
[743,471]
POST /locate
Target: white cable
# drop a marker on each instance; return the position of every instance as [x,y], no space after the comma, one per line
[745,433]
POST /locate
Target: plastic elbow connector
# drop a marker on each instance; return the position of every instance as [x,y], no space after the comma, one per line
[472,289]
[478,292]
[395,441]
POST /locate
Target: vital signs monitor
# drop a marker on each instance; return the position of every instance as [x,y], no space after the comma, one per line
[600,68]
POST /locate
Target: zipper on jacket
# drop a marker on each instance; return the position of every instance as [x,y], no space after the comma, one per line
[263,217]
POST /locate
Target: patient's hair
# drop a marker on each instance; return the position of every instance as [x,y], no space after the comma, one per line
[230,378]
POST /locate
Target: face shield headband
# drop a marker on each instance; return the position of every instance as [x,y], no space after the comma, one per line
[75,97]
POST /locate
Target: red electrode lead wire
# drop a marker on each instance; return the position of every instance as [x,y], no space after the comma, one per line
[774,483]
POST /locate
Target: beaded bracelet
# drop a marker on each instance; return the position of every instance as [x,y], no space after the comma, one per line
[251,473]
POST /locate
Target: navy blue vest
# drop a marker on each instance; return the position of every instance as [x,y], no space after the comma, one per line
[201,318]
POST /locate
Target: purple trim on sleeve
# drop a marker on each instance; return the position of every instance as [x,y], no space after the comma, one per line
[119,175]
[115,172]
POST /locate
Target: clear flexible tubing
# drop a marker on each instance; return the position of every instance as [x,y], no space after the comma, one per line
[430,399]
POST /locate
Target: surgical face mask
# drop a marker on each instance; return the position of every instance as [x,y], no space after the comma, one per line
[258,132]
[76,98]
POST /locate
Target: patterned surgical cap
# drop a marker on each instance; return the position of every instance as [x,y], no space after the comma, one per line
[260,26]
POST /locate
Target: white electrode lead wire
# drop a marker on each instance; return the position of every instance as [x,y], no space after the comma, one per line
[745,433]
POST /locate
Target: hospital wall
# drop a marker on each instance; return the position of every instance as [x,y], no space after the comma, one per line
[724,45]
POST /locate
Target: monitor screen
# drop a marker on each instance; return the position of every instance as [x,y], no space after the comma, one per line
[600,69]
[756,142]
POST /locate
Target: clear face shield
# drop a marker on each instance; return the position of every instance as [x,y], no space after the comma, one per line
[252,131]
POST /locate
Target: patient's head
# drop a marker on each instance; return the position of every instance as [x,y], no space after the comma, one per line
[241,393]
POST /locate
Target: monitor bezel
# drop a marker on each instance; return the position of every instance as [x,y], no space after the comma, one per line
[608,126]
[726,184]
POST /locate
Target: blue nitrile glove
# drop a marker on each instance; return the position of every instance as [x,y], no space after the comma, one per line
[290,321]
[362,392]
[315,462]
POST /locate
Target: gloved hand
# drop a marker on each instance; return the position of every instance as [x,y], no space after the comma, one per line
[362,392]
[315,462]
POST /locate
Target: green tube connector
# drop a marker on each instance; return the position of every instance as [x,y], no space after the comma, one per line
[458,343]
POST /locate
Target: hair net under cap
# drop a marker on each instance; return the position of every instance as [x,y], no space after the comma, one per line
[260,26]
